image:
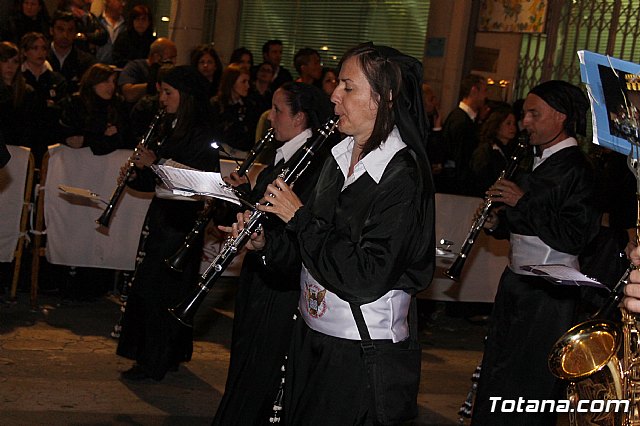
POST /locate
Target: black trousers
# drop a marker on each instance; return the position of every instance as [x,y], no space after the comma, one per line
[529,316]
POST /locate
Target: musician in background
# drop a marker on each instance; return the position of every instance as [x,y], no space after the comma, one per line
[550,216]
[365,236]
[266,302]
[150,336]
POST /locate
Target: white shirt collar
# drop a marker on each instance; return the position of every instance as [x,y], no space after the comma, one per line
[289,148]
[470,112]
[548,152]
[46,66]
[373,163]
[61,58]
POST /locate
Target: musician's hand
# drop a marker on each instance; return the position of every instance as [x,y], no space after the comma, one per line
[492,218]
[506,192]
[631,299]
[110,130]
[75,141]
[256,241]
[285,202]
[235,180]
[123,173]
[143,157]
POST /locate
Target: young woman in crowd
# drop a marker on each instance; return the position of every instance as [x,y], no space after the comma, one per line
[329,80]
[18,101]
[266,302]
[234,116]
[96,117]
[134,42]
[242,57]
[206,60]
[50,87]
[150,336]
[497,140]
[365,240]
[29,16]
[260,92]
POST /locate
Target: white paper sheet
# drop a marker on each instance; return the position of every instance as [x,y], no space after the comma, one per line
[195,182]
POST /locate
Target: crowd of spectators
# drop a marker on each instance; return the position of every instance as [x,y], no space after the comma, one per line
[83,80]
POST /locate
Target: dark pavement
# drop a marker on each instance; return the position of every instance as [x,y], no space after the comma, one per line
[58,365]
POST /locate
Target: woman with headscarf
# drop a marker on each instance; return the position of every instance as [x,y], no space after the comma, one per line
[550,217]
[149,335]
[265,302]
[365,240]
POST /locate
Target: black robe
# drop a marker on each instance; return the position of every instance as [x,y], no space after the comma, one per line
[150,336]
[459,140]
[530,313]
[263,319]
[360,243]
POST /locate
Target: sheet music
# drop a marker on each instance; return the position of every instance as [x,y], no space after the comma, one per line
[195,182]
[564,275]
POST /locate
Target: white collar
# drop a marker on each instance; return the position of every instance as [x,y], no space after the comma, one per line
[470,112]
[46,66]
[290,147]
[548,152]
[375,162]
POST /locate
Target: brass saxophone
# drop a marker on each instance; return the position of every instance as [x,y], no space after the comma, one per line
[601,358]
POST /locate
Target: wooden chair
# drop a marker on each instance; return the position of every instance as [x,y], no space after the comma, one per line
[21,166]
[38,247]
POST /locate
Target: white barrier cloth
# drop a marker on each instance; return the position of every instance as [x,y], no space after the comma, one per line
[73,237]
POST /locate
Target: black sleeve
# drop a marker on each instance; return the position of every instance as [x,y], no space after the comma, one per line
[364,269]
[4,152]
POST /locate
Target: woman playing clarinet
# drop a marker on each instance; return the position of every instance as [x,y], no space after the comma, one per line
[363,241]
[149,336]
[265,302]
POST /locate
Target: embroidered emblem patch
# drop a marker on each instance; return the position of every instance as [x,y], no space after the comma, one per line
[316,306]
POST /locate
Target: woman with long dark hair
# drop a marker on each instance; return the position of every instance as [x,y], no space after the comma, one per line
[206,60]
[497,138]
[135,40]
[18,101]
[95,116]
[234,116]
[28,16]
[149,335]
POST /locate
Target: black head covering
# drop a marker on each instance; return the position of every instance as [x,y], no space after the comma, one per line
[186,79]
[567,99]
[407,106]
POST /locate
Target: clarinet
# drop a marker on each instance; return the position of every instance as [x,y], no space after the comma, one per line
[177,260]
[185,310]
[105,218]
[455,269]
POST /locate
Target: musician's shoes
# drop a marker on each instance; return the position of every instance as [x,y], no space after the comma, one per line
[135,373]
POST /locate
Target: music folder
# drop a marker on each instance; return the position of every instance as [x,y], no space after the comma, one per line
[563,275]
[189,182]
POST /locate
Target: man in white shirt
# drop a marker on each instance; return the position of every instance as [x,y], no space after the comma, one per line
[113,21]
